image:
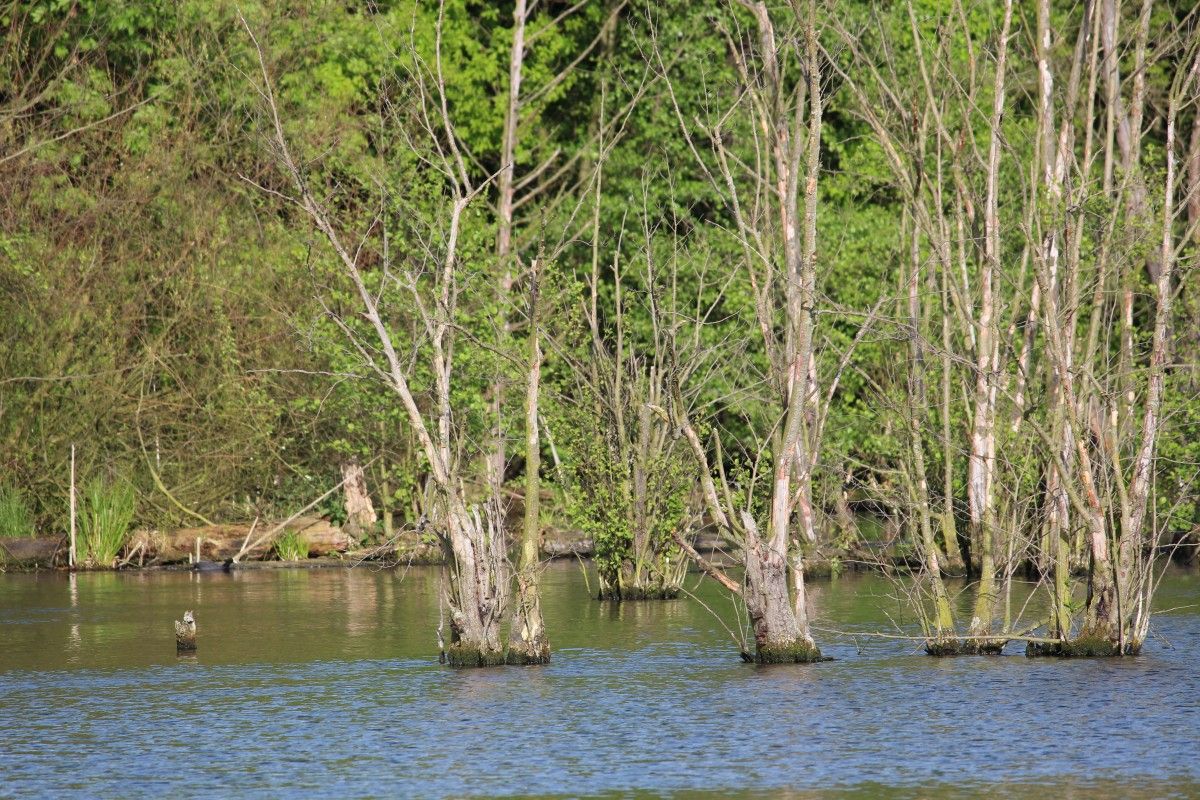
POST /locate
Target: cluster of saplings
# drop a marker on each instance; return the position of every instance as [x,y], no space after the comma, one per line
[654,267]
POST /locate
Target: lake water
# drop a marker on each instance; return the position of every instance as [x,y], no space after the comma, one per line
[325,683]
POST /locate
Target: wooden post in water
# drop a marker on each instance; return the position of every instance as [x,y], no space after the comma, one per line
[71,552]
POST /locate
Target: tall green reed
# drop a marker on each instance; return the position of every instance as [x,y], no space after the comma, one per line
[104,523]
[16,518]
[291,546]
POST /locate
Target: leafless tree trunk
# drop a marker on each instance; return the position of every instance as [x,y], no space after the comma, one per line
[1193,182]
[1088,471]
[527,640]
[981,464]
[918,409]
[506,190]
[513,192]
[1135,611]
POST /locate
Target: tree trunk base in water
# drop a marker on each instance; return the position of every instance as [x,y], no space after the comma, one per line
[798,652]
[528,655]
[1083,646]
[945,648]
[465,655]
[639,593]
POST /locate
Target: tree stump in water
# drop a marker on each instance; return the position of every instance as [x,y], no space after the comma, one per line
[185,633]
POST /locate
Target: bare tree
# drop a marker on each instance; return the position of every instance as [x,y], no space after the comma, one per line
[473,538]
[773,202]
[1092,407]
[914,125]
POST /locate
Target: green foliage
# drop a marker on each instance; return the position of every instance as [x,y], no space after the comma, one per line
[16,519]
[601,502]
[1178,498]
[164,310]
[105,516]
[598,502]
[290,546]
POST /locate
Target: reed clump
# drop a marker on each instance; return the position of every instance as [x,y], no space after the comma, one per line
[16,518]
[107,514]
[290,546]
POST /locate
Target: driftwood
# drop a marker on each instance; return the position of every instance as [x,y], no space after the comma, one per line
[221,542]
[567,545]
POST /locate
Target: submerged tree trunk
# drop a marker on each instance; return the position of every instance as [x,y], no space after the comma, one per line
[527,640]
[478,584]
[780,636]
[1120,575]
[1126,626]
[781,630]
[778,236]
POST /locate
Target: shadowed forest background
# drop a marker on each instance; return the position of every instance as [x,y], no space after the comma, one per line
[998,206]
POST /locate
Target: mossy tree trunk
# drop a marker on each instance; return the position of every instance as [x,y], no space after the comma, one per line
[478,585]
[780,625]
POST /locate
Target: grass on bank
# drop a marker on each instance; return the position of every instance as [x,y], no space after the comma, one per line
[16,518]
[106,516]
[290,546]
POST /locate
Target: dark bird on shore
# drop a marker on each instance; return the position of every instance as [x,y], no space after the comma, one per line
[185,633]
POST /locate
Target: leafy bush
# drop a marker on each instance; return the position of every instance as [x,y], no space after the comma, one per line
[16,520]
[600,503]
[106,515]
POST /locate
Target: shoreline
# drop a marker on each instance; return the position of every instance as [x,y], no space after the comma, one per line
[49,554]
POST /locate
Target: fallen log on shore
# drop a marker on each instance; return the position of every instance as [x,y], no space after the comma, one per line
[567,546]
[221,542]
